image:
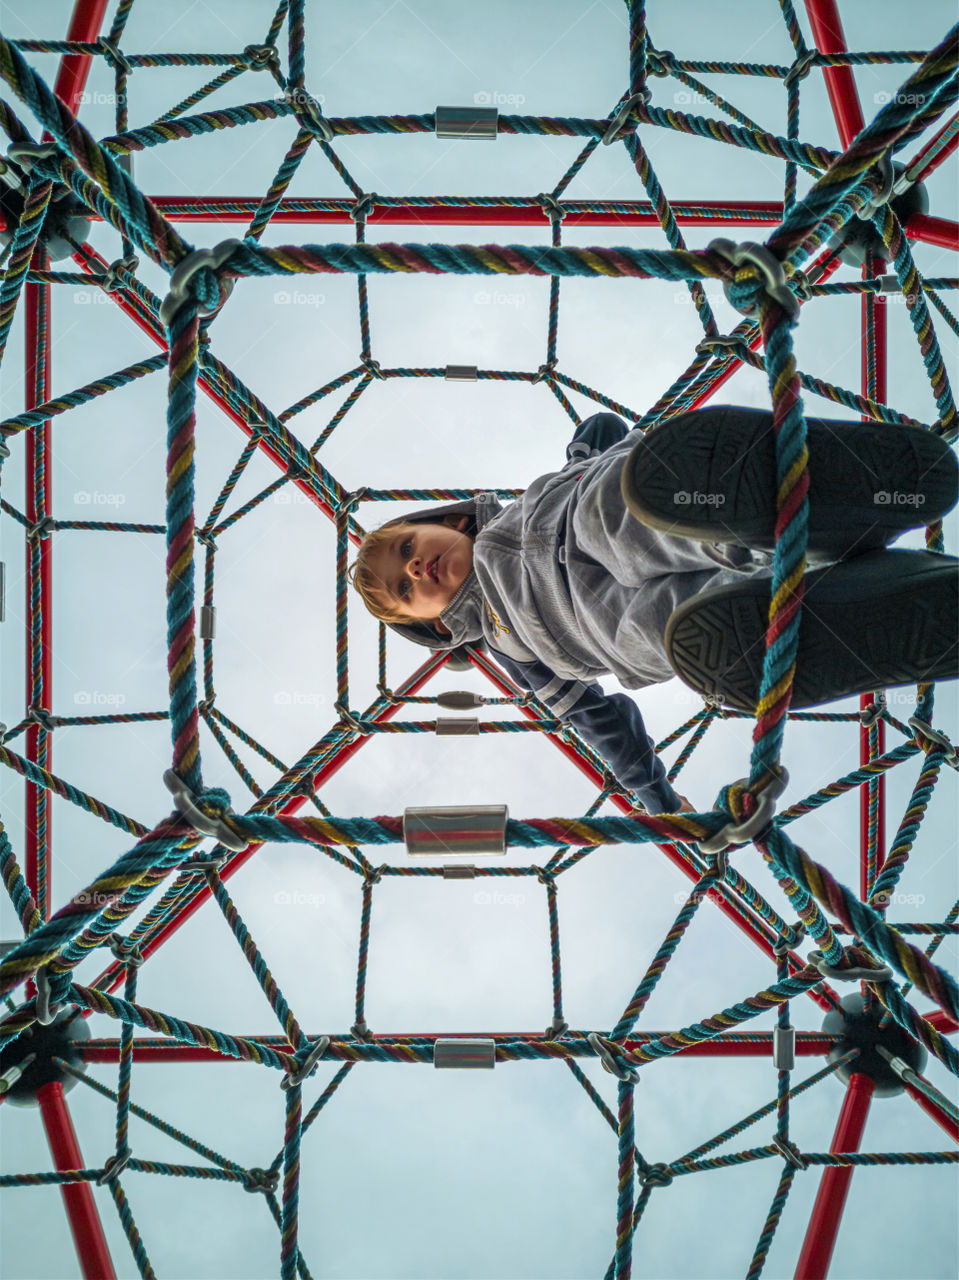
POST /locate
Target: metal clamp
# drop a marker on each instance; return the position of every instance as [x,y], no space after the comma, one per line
[887,178]
[551,206]
[545,877]
[126,951]
[657,1175]
[800,68]
[111,277]
[660,62]
[360,1031]
[722,342]
[205,705]
[461,373]
[803,285]
[113,55]
[545,371]
[374,878]
[308,1065]
[467,122]
[623,114]
[613,1065]
[854,973]
[782,948]
[187,268]
[784,1048]
[363,206]
[264,1180]
[260,57]
[114,1167]
[869,715]
[757,255]
[372,367]
[350,720]
[927,731]
[42,529]
[46,1012]
[742,832]
[350,501]
[203,866]
[13,1074]
[207,824]
[309,112]
[558,1027]
[44,718]
[791,1152]
[27,154]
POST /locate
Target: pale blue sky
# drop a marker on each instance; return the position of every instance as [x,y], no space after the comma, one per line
[510,1174]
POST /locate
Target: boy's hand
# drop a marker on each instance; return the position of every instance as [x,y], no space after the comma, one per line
[685,806]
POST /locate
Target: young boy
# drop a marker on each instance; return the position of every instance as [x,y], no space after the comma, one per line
[648,556]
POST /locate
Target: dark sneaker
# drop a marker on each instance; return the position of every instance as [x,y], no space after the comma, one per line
[711,475]
[879,620]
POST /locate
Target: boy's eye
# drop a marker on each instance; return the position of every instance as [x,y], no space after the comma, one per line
[403,590]
[406,550]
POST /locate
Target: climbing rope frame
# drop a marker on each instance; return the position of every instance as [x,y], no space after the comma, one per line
[769,284]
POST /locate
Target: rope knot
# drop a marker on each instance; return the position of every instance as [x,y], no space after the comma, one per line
[750,808]
[264,1180]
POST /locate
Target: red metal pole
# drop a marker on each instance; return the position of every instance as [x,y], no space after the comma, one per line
[75,67]
[146,1050]
[88,1237]
[834,1184]
[874,389]
[840,85]
[39,681]
[636,213]
[942,1021]
[930,230]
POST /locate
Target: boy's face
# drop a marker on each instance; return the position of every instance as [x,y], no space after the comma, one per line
[422,566]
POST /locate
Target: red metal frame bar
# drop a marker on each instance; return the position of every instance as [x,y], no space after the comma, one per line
[828,37]
[91,1244]
[641,213]
[878,303]
[938,231]
[834,1185]
[941,1021]
[147,1050]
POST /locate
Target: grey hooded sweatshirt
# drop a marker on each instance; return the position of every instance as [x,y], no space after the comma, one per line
[567,586]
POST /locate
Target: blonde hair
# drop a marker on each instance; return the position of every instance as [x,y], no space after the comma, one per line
[370,586]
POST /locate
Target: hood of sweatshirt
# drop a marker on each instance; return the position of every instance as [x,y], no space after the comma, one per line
[463,616]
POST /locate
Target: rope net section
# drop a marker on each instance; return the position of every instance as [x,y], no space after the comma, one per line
[54,183]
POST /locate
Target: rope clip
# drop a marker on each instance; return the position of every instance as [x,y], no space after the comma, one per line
[742,832]
[374,878]
[46,1012]
[757,255]
[114,1167]
[350,501]
[308,1065]
[307,109]
[623,114]
[44,718]
[260,57]
[207,824]
[927,731]
[657,1175]
[887,177]
[791,1152]
[125,951]
[545,371]
[264,1180]
[551,206]
[800,68]
[111,277]
[372,367]
[854,973]
[187,268]
[27,154]
[869,715]
[42,529]
[614,1066]
[363,206]
[350,720]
